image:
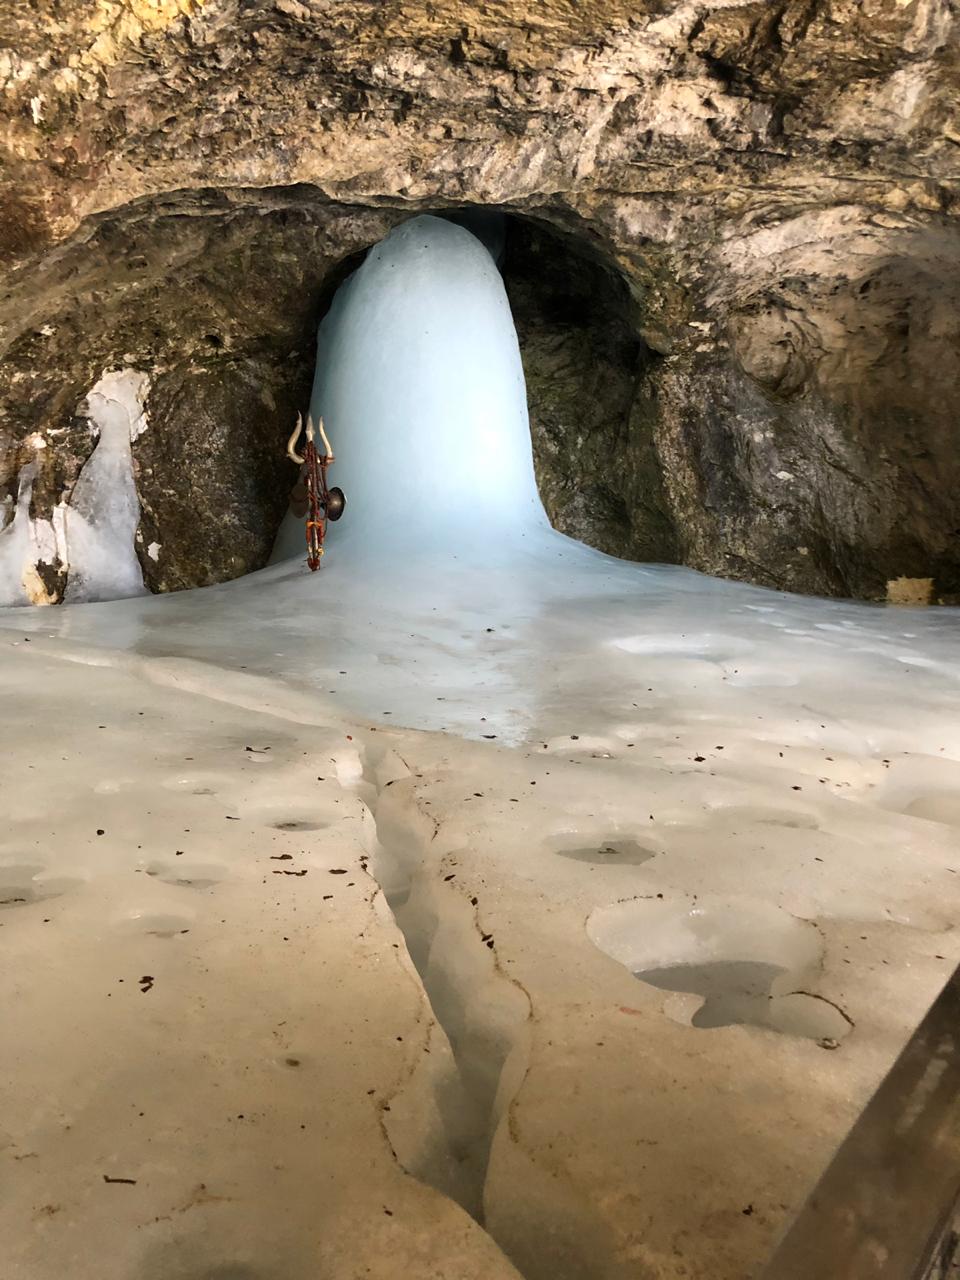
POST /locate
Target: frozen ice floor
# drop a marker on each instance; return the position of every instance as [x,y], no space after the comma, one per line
[592,897]
[478,905]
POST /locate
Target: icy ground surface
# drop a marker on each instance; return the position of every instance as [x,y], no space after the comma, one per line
[561,774]
[461,910]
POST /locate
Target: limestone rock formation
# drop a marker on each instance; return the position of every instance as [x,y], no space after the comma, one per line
[733,254]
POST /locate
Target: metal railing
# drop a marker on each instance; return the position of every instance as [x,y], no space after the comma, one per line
[887,1206]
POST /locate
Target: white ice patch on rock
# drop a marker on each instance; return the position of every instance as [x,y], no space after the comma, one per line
[104,510]
[19,547]
[26,543]
[92,536]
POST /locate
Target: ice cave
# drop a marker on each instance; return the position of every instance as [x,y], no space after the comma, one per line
[561,881]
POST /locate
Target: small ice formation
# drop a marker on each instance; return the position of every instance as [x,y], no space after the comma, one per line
[91,536]
[747,962]
[25,544]
[104,511]
[421,388]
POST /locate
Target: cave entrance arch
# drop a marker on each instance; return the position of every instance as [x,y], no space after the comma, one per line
[221,318]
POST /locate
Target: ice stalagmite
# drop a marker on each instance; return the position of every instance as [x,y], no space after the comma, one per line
[420,384]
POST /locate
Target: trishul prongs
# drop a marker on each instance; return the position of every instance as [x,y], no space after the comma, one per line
[310,434]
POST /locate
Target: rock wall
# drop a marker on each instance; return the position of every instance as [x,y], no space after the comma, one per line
[218,300]
[734,258]
[591,393]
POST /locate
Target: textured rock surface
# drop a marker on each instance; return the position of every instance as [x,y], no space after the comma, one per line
[774,184]
[219,300]
[590,383]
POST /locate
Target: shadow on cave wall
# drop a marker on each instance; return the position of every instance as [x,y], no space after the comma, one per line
[591,392]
